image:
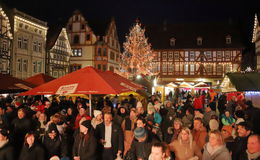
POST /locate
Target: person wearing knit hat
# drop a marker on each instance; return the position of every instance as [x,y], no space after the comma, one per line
[97,112]
[213,124]
[140,133]
[86,124]
[150,108]
[98,118]
[226,132]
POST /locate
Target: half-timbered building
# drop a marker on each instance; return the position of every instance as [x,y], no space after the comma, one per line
[93,43]
[58,52]
[195,52]
[5,42]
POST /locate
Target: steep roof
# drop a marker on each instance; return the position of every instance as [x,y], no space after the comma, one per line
[245,81]
[213,35]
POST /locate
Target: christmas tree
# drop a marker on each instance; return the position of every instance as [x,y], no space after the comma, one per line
[137,56]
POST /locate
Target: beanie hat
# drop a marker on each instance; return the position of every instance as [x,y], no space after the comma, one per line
[228,129]
[52,127]
[150,107]
[139,132]
[86,123]
[97,112]
[240,114]
[213,124]
[139,104]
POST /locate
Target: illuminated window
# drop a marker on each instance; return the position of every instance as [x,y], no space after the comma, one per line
[199,41]
[172,41]
[19,42]
[228,39]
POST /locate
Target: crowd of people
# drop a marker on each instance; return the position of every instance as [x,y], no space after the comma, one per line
[205,126]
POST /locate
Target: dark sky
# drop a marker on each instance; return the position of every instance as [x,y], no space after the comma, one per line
[149,11]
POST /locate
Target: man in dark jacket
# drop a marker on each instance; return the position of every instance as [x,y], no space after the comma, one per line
[240,144]
[110,138]
[6,149]
[142,144]
[253,148]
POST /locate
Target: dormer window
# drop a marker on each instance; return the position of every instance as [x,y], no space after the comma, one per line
[172,41]
[228,39]
[199,41]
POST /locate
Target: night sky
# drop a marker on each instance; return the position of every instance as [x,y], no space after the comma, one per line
[148,11]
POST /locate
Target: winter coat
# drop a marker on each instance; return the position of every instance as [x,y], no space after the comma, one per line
[244,156]
[187,120]
[239,147]
[128,127]
[117,137]
[197,103]
[35,152]
[55,146]
[221,153]
[7,152]
[85,149]
[143,149]
[184,151]
[200,136]
[226,121]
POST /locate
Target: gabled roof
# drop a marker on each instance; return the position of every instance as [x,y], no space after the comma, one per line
[39,79]
[245,81]
[213,35]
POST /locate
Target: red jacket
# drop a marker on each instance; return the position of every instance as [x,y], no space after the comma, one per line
[197,103]
[78,118]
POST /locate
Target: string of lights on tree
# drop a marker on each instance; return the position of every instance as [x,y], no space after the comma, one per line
[137,56]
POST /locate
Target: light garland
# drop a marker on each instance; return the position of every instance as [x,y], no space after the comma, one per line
[7,23]
[256,24]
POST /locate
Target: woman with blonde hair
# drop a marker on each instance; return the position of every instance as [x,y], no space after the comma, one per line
[215,149]
[185,148]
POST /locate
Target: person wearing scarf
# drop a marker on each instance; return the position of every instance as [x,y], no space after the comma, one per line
[227,119]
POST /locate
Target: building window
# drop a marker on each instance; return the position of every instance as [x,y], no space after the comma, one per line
[35,46]
[170,56]
[164,56]
[99,66]
[228,68]
[19,42]
[176,56]
[39,66]
[82,26]
[99,52]
[219,69]
[76,39]
[112,55]
[192,56]
[25,65]
[186,69]
[227,54]
[199,41]
[219,54]
[172,42]
[192,69]
[19,64]
[77,52]
[208,55]
[170,67]
[228,39]
[104,51]
[34,67]
[25,43]
[4,45]
[39,47]
[164,67]
[209,68]
[88,37]
[104,67]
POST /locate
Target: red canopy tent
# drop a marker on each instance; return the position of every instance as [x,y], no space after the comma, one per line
[9,84]
[39,79]
[84,81]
